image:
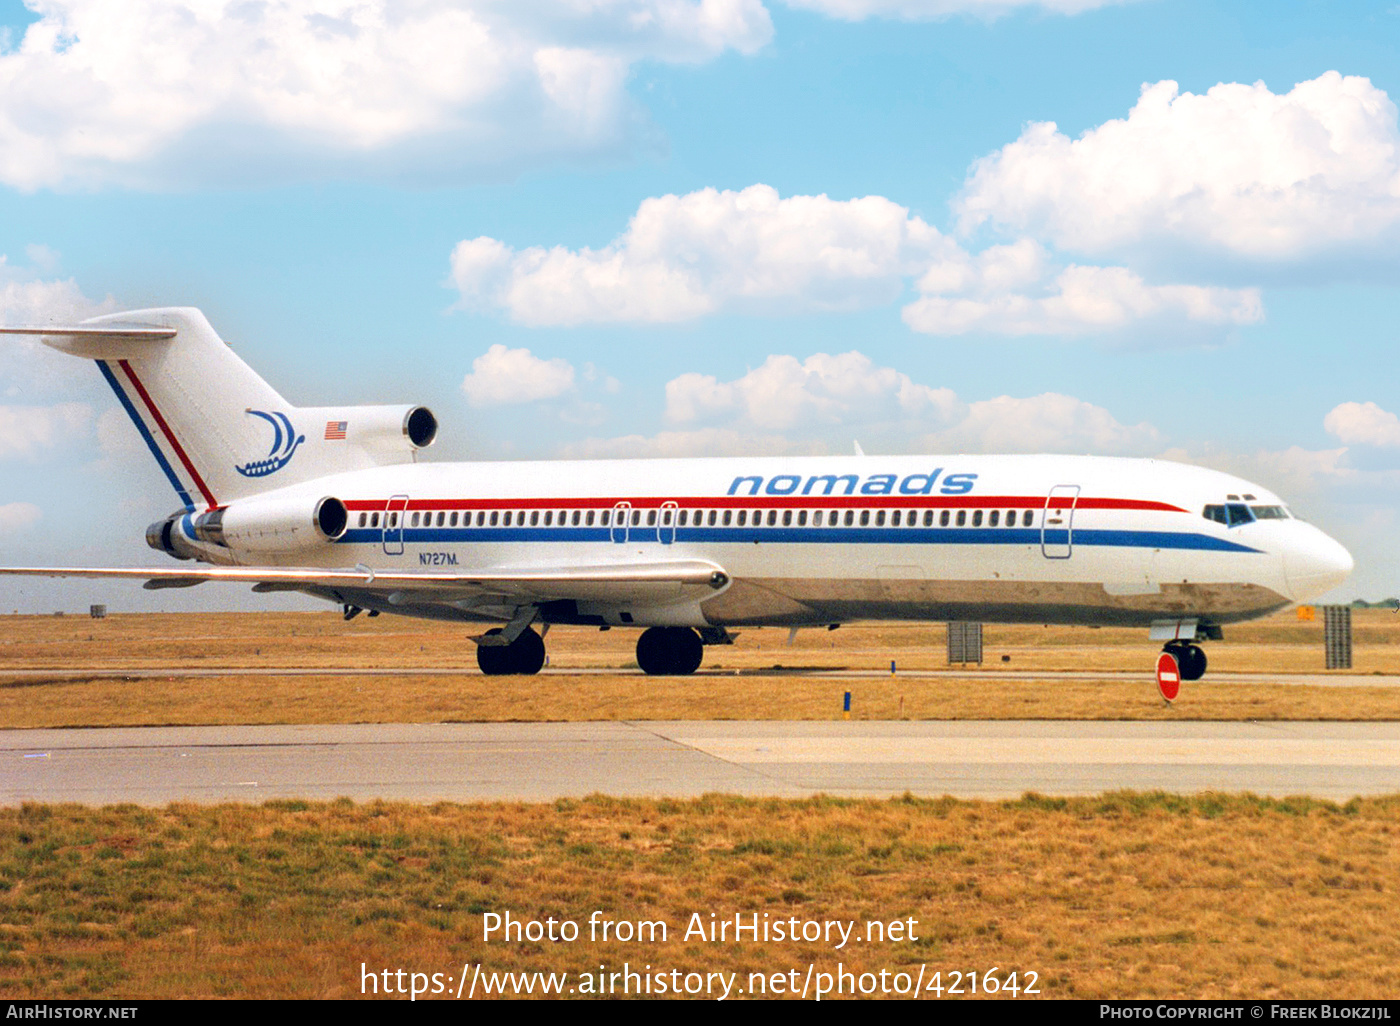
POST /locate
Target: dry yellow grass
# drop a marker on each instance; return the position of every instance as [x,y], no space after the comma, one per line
[313,640]
[761,677]
[564,697]
[1122,896]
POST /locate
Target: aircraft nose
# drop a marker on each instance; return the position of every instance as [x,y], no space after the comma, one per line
[1315,563]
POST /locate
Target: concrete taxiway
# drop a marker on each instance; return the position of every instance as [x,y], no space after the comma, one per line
[544,761]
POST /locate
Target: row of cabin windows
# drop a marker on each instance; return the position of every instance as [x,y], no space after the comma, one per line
[705,518]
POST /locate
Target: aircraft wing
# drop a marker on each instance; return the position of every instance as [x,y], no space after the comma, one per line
[531,583]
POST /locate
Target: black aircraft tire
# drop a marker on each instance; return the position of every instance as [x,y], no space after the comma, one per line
[527,653]
[524,656]
[688,651]
[669,651]
[494,660]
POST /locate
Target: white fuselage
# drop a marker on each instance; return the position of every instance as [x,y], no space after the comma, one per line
[820,540]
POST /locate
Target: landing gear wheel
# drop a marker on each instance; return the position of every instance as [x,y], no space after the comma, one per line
[525,655]
[671,651]
[1191,659]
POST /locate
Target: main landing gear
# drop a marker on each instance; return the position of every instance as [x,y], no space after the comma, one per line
[1191,659]
[661,651]
[524,655]
[669,651]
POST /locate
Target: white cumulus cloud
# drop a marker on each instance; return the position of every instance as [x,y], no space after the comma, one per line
[1239,170]
[502,377]
[1045,423]
[149,91]
[26,430]
[846,389]
[914,10]
[1363,424]
[684,256]
[1078,300]
[820,404]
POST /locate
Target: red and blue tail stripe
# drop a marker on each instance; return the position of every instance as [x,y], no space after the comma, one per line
[149,436]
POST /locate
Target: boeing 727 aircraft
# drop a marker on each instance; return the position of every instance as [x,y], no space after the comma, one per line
[332,502]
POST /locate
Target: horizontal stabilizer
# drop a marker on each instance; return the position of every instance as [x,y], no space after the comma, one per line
[91,332]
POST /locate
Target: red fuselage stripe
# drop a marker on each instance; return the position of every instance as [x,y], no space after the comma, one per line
[777,502]
[169,435]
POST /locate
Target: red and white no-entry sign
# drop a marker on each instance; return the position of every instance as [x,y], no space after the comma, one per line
[1168,676]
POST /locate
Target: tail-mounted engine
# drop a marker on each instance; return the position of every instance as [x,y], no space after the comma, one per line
[254,526]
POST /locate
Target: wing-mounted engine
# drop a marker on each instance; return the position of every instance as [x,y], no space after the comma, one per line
[252,527]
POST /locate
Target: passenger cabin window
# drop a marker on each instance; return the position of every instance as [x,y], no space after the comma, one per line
[772,517]
[850,517]
[802,518]
[727,514]
[977,518]
[943,518]
[787,518]
[993,517]
[606,516]
[363,518]
[962,518]
[880,518]
[894,519]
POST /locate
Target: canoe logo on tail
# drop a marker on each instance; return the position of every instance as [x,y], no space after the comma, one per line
[284,443]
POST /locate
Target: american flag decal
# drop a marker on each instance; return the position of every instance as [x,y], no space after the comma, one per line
[335,430]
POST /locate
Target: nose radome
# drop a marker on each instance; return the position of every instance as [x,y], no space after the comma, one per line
[1315,563]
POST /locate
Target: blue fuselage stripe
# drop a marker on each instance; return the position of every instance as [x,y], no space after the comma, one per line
[801,535]
[145,433]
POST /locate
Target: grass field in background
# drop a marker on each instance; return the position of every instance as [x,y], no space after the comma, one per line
[760,677]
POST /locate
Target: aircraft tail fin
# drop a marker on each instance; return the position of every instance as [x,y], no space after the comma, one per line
[217,429]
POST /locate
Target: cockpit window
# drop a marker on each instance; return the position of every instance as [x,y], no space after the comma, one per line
[1232,514]
[1269,512]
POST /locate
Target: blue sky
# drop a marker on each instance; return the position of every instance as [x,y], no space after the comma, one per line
[466,205]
